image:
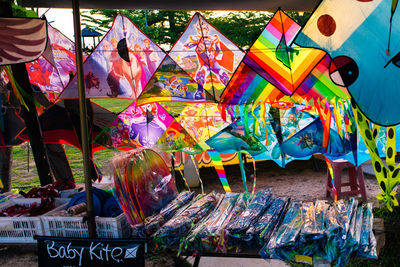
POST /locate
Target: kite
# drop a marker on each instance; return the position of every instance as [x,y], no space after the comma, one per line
[22,39]
[206,55]
[355,35]
[121,64]
[52,71]
[365,60]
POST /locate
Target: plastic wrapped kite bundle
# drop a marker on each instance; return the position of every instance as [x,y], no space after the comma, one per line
[352,241]
[193,241]
[181,224]
[282,243]
[261,231]
[237,228]
[209,234]
[353,237]
[220,234]
[333,232]
[367,247]
[312,237]
[143,184]
[153,223]
[337,226]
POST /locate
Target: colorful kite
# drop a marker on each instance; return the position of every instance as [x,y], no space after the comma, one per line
[275,67]
[277,59]
[148,125]
[52,71]
[355,34]
[121,64]
[172,83]
[206,55]
[361,37]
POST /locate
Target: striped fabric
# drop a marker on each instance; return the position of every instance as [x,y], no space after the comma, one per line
[263,77]
[216,159]
[265,53]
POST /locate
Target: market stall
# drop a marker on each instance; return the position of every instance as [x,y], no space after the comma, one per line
[278,101]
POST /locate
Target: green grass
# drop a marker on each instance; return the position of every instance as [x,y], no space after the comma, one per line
[22,177]
[113,104]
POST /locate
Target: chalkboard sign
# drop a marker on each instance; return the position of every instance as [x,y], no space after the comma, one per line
[71,252]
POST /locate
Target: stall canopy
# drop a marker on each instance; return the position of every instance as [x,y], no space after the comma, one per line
[265,5]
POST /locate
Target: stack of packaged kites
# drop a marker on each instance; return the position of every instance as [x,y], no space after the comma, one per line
[276,227]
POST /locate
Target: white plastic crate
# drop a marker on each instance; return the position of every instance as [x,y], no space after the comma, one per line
[116,227]
[21,229]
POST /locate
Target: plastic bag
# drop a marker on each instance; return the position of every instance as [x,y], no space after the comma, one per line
[281,244]
[221,236]
[153,223]
[367,246]
[251,214]
[180,225]
[262,229]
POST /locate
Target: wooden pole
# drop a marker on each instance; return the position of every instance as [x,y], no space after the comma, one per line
[83,119]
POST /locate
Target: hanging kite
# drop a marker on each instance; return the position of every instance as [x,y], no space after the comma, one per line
[22,39]
[275,67]
[365,60]
[172,83]
[206,55]
[52,71]
[277,59]
[121,64]
[148,125]
[362,38]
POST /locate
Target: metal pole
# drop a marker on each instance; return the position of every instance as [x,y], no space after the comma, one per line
[83,119]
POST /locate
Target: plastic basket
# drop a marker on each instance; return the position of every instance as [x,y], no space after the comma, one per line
[116,227]
[14,230]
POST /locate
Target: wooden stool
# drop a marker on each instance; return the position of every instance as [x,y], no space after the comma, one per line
[356,180]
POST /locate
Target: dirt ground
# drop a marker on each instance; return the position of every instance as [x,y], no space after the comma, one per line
[300,180]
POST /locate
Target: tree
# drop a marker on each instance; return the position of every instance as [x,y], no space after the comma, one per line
[165,27]
[242,27]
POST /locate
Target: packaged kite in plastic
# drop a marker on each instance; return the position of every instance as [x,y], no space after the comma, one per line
[312,237]
[252,235]
[221,234]
[281,245]
[143,183]
[313,217]
[337,225]
[350,245]
[149,181]
[153,223]
[367,247]
[221,213]
[193,240]
[255,209]
[269,220]
[180,225]
[358,224]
